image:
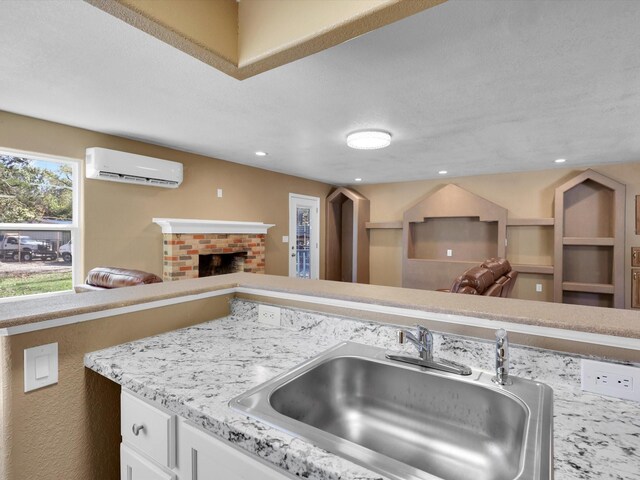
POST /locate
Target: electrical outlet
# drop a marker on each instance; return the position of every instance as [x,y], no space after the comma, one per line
[449,253]
[269,315]
[219,192]
[538,287]
[614,380]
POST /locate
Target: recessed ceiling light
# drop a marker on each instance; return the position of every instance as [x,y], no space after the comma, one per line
[369,139]
[560,160]
[442,172]
[358,179]
[262,154]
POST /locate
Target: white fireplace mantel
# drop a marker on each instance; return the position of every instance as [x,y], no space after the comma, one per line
[185,225]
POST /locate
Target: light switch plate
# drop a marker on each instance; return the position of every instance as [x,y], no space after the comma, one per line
[40,366]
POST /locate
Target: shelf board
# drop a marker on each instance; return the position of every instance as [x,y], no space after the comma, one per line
[370,225]
[593,241]
[526,222]
[468,263]
[541,269]
[588,287]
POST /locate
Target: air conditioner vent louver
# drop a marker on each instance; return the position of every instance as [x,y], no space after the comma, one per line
[114,166]
[109,174]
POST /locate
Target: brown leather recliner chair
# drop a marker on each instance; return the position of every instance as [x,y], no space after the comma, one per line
[493,278]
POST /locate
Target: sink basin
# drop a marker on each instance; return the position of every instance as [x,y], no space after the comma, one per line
[407,422]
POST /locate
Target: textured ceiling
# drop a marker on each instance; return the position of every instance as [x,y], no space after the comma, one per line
[471,87]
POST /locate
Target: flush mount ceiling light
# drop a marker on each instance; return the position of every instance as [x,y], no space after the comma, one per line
[560,160]
[369,139]
[262,154]
[442,172]
[358,179]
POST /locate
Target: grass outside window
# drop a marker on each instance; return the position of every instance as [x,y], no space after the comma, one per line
[33,283]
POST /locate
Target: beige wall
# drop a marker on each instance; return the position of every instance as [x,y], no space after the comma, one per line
[71,430]
[268,26]
[525,195]
[214,25]
[118,230]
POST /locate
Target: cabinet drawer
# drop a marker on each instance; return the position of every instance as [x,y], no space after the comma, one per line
[134,467]
[148,429]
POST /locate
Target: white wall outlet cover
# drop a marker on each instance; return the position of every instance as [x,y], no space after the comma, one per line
[219,193]
[449,252]
[538,287]
[269,315]
[40,366]
[285,239]
[611,379]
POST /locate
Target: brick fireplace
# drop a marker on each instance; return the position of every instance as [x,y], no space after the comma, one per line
[196,248]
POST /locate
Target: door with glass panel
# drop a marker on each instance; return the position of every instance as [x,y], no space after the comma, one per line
[304,236]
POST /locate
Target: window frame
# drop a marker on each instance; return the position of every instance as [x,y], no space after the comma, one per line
[74,227]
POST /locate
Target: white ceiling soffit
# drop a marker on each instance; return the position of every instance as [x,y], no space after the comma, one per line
[469,87]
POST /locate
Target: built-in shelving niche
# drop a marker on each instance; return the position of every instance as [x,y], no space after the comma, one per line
[577,255]
[452,218]
[589,241]
[347,258]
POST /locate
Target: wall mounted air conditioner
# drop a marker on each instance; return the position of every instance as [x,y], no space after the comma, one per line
[114,166]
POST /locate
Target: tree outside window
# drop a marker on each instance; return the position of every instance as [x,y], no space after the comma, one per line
[36,225]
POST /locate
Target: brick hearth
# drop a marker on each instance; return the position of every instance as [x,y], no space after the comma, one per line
[181,252]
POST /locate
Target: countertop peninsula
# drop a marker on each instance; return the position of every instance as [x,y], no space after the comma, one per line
[195,372]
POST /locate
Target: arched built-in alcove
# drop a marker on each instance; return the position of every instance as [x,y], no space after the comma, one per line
[347,255]
[589,241]
[448,232]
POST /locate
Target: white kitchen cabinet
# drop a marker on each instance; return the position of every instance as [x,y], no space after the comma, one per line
[134,466]
[202,456]
[151,437]
[148,429]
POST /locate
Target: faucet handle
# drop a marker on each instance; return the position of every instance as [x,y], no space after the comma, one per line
[401,337]
[502,358]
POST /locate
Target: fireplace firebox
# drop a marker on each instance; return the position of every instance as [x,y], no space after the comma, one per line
[220,263]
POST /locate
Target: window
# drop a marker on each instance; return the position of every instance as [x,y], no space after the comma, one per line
[38,224]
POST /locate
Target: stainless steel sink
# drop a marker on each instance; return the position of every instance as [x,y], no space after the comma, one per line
[407,422]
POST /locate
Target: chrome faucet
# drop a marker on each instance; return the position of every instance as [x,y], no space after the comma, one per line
[422,339]
[502,358]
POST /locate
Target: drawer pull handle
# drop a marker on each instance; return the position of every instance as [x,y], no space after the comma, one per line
[136,429]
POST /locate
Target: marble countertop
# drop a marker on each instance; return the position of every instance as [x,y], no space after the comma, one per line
[195,372]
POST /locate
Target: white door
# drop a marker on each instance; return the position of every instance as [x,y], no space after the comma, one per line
[304,236]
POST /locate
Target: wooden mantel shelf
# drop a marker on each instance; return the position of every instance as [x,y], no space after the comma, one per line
[185,225]
[525,222]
